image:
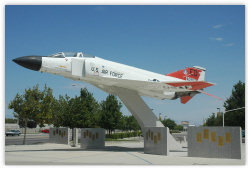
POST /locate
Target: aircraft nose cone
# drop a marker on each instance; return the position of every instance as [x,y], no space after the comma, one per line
[30,62]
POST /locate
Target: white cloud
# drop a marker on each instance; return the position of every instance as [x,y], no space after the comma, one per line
[217,26]
[229,45]
[217,39]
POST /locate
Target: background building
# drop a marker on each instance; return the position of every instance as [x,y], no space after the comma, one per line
[185,125]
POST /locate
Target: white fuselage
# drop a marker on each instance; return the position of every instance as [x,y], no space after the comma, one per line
[101,73]
[98,67]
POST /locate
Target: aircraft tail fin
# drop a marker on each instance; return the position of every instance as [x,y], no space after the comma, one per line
[197,86]
[194,73]
[185,99]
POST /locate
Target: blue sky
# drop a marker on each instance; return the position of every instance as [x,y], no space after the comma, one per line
[162,39]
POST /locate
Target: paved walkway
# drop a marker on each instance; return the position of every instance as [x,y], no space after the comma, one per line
[115,153]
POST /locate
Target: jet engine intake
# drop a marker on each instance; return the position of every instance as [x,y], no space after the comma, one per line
[78,67]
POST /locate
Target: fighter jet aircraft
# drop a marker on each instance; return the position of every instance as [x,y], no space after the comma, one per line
[106,75]
[127,82]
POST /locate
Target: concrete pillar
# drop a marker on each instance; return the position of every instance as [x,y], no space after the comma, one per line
[75,137]
[138,108]
[142,113]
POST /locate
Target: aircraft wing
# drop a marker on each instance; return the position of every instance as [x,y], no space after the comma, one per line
[158,90]
[194,85]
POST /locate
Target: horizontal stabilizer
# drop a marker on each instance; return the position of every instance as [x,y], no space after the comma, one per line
[185,99]
[192,85]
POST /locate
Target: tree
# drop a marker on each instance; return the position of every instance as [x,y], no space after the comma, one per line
[232,118]
[219,119]
[92,108]
[178,127]
[110,114]
[169,123]
[236,100]
[33,105]
[131,123]
[9,120]
[61,107]
[214,120]
[30,124]
[47,104]
[78,112]
[123,123]
[211,120]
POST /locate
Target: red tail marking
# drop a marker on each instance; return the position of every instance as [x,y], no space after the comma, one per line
[188,72]
[185,99]
[196,85]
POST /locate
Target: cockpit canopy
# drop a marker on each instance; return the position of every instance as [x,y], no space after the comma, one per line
[71,54]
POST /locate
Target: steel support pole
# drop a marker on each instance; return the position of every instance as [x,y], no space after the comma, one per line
[223,119]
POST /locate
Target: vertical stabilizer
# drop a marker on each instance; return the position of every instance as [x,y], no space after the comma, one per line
[202,72]
[194,73]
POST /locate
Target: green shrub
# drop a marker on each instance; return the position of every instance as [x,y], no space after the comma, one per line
[174,131]
[123,135]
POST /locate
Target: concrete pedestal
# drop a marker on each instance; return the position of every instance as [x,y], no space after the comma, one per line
[214,142]
[59,135]
[75,137]
[92,138]
[156,140]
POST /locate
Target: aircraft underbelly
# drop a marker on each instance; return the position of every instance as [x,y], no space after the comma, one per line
[107,84]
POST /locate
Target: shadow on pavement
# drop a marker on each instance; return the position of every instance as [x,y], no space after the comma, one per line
[107,148]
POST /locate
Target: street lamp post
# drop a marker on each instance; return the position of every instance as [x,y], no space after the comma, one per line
[159,116]
[230,111]
[222,117]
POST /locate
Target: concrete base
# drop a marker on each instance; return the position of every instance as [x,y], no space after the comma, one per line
[214,142]
[156,140]
[59,135]
[92,138]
